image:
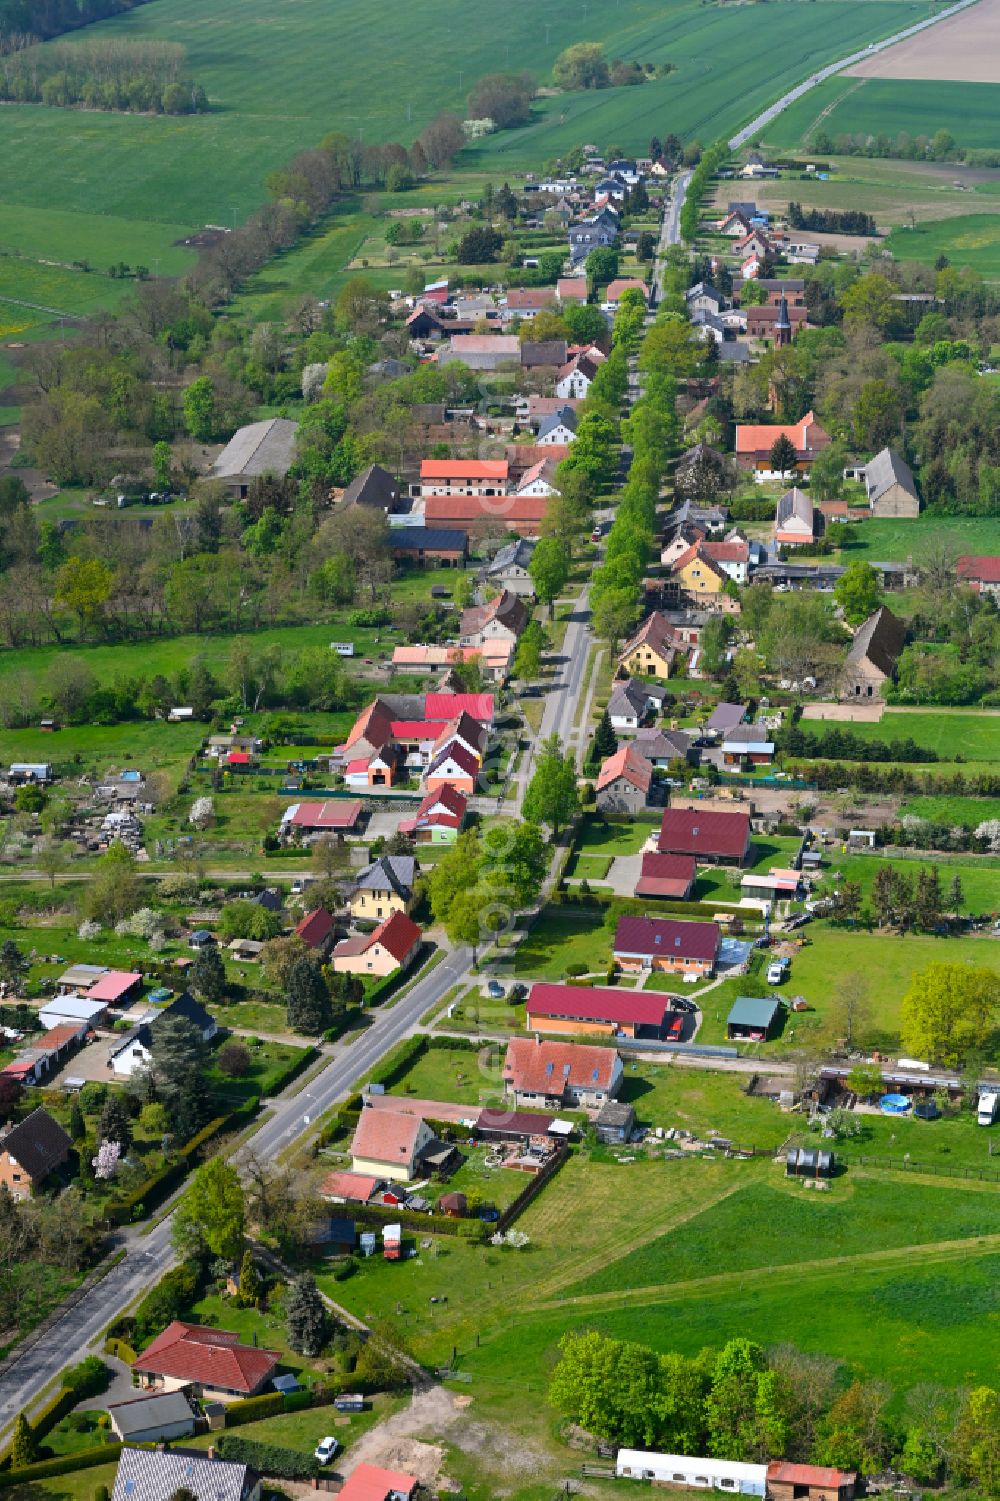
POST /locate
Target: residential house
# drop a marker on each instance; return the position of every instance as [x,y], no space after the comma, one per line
[446,547]
[315,820]
[731,557]
[981,572]
[384,887]
[495,657]
[698,575]
[392,946]
[456,767]
[651,651]
[703,298]
[686,1472]
[463,477]
[158,1475]
[211,1362]
[747,743]
[426,323]
[522,514]
[558,428]
[666,945]
[372,1483]
[374,489]
[736,225]
[540,480]
[628,706]
[560,1075]
[597,1011]
[624,781]
[754,1018]
[571,291]
[874,652]
[525,303]
[662,747]
[723,718]
[133,1050]
[30,1151]
[260,448]
[481,351]
[713,838]
[612,187]
[439,818]
[595,233]
[617,289]
[754,442]
[576,376]
[147,1420]
[389,1144]
[534,409]
[891,488]
[503,618]
[669,876]
[546,354]
[797,1482]
[508,571]
[316,930]
[796,521]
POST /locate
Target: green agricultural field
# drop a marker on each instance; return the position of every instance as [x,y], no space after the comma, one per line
[967,811]
[56,288]
[268,76]
[971,240]
[941,730]
[890,106]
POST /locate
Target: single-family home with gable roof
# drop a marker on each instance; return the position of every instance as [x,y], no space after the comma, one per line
[624,781]
[558,427]
[874,652]
[628,706]
[133,1050]
[665,945]
[30,1151]
[508,571]
[316,930]
[651,651]
[392,946]
[981,572]
[389,1144]
[713,838]
[557,1075]
[374,489]
[796,521]
[502,618]
[212,1362]
[158,1474]
[454,766]
[670,876]
[891,488]
[661,746]
[384,887]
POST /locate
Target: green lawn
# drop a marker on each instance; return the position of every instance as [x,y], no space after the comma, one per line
[702,1101]
[268,1061]
[82,749]
[615,836]
[980,876]
[897,541]
[978,735]
[303,1430]
[970,240]
[967,811]
[564,936]
[80,1486]
[462,1077]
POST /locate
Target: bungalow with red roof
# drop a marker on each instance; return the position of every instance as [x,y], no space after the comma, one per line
[665,945]
[316,929]
[311,820]
[392,946]
[389,1144]
[560,1075]
[670,876]
[212,1362]
[439,818]
[624,781]
[712,837]
[754,441]
[598,1011]
[372,1483]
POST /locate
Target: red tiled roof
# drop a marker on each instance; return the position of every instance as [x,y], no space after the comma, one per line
[416,729]
[356,1186]
[628,763]
[386,1136]
[451,800]
[113,985]
[463,468]
[818,1475]
[372,1483]
[463,759]
[524,1122]
[527,1066]
[315,927]
[448,706]
[399,934]
[624,284]
[212,1357]
[329,815]
[597,1004]
[754,437]
[58,1037]
[665,875]
[574,287]
[696,831]
[663,936]
[512,509]
[979,567]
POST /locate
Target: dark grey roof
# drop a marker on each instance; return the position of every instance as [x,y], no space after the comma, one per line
[260,448]
[885,470]
[146,1475]
[392,872]
[627,699]
[374,487]
[184,1006]
[735,352]
[794,503]
[663,745]
[38,1144]
[703,289]
[879,641]
[514,555]
[564,416]
[428,538]
[143,1414]
[543,352]
[726,717]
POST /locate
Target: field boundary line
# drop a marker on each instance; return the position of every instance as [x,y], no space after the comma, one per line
[39,307]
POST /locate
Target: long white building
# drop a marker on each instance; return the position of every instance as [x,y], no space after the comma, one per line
[698,1473]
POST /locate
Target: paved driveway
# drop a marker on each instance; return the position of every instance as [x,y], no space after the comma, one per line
[623,875]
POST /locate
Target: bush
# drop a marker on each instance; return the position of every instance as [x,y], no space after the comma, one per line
[268,1459]
[88,1379]
[64,1464]
[170,1299]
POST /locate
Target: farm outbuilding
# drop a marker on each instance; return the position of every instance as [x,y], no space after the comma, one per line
[754,1018]
[701,1474]
[808,1162]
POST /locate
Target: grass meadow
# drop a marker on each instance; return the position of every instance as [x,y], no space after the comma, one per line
[972,240]
[943,731]
[898,541]
[890,106]
[137,183]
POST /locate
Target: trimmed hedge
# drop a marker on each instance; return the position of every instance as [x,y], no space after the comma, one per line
[152,1192]
[252,1409]
[65,1464]
[268,1459]
[438,1041]
[291,1070]
[432,1224]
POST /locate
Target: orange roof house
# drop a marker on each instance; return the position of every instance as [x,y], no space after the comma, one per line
[210,1360]
[754,441]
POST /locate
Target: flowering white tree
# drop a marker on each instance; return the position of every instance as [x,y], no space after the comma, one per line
[105,1164]
[313,377]
[88,929]
[201,812]
[990,832]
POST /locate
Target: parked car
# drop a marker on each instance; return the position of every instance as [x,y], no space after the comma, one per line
[777,971]
[495,990]
[326,1449]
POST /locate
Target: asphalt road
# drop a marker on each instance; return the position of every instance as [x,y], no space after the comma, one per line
[149,1256]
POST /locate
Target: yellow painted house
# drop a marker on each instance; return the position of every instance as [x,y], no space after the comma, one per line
[384,887]
[699,575]
[651,651]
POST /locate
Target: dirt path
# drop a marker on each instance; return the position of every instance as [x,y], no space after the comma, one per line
[395,1443]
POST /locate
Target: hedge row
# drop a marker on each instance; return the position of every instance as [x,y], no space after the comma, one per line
[410,1219]
[84,1380]
[291,1070]
[252,1409]
[64,1464]
[158,1186]
[451,1044]
[267,1459]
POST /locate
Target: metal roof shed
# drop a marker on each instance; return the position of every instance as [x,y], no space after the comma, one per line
[754,1018]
